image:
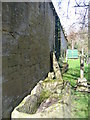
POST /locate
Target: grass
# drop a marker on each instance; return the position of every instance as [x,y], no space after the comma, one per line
[79,99]
[74,72]
[80,104]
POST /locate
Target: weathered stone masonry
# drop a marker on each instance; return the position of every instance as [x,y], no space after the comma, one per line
[27,39]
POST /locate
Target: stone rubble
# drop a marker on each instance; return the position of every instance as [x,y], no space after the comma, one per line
[48,99]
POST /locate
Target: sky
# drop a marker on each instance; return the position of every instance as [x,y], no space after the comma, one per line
[72,17]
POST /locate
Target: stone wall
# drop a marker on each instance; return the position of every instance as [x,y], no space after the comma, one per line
[27,39]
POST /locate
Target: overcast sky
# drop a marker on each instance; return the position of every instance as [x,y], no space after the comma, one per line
[72,17]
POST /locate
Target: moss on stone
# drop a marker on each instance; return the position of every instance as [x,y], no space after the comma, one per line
[52,80]
[43,96]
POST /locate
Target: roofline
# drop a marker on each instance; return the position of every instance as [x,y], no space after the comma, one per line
[55,13]
[53,8]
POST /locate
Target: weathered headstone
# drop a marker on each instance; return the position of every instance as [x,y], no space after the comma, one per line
[56,68]
[81,67]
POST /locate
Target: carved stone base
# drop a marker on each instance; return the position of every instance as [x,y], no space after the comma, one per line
[82,85]
[82,82]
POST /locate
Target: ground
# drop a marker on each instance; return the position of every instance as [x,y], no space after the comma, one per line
[56,98]
[73,72]
[79,99]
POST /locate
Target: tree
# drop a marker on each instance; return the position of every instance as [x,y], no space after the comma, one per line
[80,8]
[72,39]
[80,40]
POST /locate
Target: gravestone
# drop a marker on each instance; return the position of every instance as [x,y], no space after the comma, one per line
[56,68]
[81,67]
[82,82]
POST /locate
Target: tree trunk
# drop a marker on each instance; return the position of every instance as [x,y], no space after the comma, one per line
[72,45]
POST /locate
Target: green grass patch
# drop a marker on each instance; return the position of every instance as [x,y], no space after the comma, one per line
[79,99]
[80,104]
[73,72]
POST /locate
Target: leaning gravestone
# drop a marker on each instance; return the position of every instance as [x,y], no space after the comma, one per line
[56,68]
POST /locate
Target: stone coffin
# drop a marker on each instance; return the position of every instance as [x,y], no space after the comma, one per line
[48,99]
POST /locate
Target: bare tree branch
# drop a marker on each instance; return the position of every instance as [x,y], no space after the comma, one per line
[68,8]
[81,6]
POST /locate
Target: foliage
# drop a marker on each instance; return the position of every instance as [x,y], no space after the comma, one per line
[43,96]
[78,40]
